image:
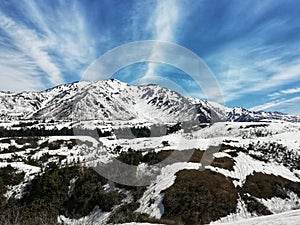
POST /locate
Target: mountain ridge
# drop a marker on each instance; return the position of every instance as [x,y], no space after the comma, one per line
[115,100]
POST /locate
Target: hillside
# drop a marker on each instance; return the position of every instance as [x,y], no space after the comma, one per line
[61,149]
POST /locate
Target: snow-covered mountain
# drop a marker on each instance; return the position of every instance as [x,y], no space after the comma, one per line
[238,114]
[103,100]
[235,170]
[114,100]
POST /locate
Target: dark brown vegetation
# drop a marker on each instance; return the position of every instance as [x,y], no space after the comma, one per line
[196,197]
[266,152]
[266,186]
[126,214]
[133,157]
[32,143]
[254,206]
[199,197]
[8,176]
[29,131]
[260,185]
[26,142]
[14,216]
[50,194]
[224,163]
[152,131]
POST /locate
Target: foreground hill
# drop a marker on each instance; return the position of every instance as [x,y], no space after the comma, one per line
[255,171]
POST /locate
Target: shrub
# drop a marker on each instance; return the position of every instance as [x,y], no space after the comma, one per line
[131,157]
[165,143]
[10,176]
[141,132]
[126,214]
[174,128]
[267,186]
[224,163]
[156,157]
[254,206]
[88,193]
[48,193]
[199,197]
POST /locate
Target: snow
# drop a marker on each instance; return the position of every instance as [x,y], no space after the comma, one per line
[289,139]
[241,213]
[162,182]
[21,167]
[134,223]
[115,100]
[81,138]
[96,217]
[111,104]
[72,185]
[30,172]
[245,165]
[177,141]
[286,218]
[277,205]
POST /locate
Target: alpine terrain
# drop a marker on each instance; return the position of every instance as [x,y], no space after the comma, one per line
[243,166]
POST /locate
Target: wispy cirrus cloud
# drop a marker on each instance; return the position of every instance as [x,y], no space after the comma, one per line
[18,72]
[283,105]
[251,46]
[55,41]
[163,25]
[284,92]
[31,45]
[239,82]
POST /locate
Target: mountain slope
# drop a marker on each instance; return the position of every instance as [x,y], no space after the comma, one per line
[103,100]
[114,100]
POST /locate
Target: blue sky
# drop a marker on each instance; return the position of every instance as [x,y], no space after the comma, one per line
[252,47]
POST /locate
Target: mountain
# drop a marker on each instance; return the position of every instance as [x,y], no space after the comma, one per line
[65,169]
[103,100]
[111,100]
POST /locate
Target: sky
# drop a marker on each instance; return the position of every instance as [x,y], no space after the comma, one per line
[252,47]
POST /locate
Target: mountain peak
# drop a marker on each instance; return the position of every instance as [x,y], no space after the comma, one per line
[112,99]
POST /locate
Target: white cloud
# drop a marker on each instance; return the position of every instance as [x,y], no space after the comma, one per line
[287,74]
[255,72]
[27,41]
[284,92]
[163,23]
[166,14]
[277,103]
[70,37]
[291,91]
[274,95]
[17,72]
[267,105]
[57,40]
